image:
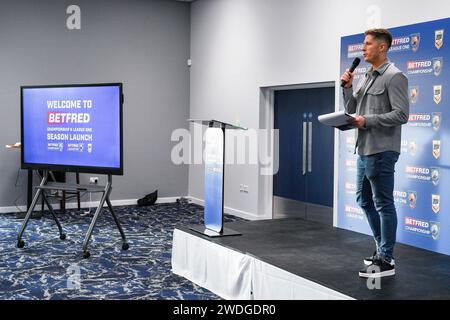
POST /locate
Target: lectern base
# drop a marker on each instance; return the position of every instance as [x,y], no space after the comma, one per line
[213,234]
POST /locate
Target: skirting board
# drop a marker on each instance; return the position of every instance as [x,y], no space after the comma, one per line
[234,212]
[87,204]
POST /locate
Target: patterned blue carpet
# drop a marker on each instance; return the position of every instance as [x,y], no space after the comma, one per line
[49,268]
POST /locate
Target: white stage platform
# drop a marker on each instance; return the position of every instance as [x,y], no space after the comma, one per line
[234,275]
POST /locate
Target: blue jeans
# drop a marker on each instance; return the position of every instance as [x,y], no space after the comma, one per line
[374,194]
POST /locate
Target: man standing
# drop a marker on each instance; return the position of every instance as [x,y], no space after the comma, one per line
[381,105]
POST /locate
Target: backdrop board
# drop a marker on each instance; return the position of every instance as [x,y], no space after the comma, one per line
[421,193]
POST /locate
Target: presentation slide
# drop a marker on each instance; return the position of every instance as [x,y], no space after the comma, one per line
[72,126]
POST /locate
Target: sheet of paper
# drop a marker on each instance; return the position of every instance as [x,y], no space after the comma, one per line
[340,120]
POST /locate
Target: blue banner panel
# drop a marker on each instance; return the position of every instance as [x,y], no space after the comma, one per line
[422,193]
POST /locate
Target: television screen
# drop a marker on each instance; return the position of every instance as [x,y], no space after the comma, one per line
[72,128]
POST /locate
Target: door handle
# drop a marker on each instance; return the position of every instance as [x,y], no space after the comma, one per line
[304,148]
[310,146]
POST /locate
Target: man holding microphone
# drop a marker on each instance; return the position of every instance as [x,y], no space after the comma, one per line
[381,105]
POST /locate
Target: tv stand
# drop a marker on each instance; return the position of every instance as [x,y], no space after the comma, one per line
[45,186]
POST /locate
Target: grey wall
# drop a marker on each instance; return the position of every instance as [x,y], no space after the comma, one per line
[142,43]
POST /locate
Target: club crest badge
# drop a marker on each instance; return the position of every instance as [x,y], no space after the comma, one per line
[436,119]
[412,199]
[415,41]
[413,94]
[436,149]
[437,66]
[434,228]
[435,203]
[437,94]
[438,38]
[435,176]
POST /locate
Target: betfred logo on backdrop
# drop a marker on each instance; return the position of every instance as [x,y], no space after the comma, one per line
[422,227]
[405,43]
[355,50]
[406,198]
[354,212]
[423,174]
[433,66]
[399,44]
[400,197]
[425,120]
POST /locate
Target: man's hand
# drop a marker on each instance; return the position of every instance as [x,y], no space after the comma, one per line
[348,78]
[359,121]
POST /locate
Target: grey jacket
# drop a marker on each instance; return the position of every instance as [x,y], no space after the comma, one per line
[384,103]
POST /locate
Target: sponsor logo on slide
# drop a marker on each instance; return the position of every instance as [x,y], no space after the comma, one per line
[65,118]
[422,227]
[438,38]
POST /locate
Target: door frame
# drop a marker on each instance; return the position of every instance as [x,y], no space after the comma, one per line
[266,121]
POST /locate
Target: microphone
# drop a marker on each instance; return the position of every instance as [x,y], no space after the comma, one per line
[352,68]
